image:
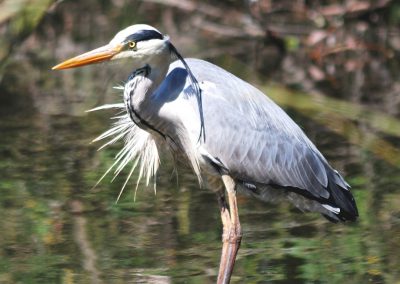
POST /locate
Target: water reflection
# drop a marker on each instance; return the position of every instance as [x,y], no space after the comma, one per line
[51,217]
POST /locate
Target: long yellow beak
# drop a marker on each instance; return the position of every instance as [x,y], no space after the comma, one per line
[94,56]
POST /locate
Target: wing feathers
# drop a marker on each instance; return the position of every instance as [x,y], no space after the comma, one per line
[259,143]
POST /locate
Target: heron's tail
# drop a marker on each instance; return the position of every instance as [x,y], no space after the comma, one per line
[339,206]
[340,199]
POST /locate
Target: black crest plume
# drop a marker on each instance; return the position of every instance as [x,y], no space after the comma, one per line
[196,88]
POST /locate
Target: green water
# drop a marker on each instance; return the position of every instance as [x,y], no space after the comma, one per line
[56,228]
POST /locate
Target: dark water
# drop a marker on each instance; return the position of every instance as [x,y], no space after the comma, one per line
[56,229]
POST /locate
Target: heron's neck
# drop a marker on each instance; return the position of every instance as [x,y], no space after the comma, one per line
[142,83]
[158,70]
[148,78]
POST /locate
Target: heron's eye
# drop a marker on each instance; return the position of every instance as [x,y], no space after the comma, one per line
[131,44]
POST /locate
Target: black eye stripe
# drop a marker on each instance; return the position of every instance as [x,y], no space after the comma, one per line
[144,35]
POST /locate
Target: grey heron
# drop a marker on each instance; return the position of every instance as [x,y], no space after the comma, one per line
[229,133]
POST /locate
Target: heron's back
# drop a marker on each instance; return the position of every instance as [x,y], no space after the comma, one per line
[249,136]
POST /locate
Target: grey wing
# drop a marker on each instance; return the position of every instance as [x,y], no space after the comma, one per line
[257,142]
[254,139]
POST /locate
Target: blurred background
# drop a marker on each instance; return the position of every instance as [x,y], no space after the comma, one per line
[333,65]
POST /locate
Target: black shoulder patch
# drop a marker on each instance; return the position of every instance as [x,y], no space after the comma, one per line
[144,35]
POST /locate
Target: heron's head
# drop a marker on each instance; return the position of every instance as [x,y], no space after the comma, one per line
[140,42]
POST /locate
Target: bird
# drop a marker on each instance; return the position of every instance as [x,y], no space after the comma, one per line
[232,136]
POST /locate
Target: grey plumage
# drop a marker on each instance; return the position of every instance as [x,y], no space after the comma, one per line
[217,123]
[257,143]
[247,136]
[232,135]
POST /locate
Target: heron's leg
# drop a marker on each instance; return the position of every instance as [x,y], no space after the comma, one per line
[232,233]
[226,224]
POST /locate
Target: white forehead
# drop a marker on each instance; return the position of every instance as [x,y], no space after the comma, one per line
[131,30]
